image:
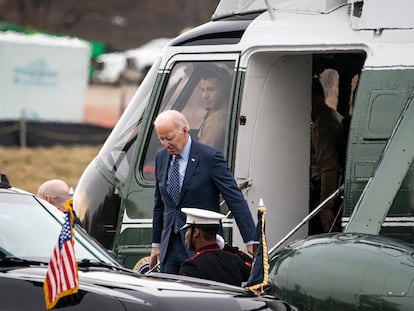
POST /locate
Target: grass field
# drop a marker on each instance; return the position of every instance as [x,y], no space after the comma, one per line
[28,168]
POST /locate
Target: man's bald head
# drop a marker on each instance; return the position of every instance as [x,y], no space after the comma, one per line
[56,192]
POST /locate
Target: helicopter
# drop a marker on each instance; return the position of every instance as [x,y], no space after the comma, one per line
[271,51]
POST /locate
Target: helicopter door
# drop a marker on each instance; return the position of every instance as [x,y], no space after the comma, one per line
[273,148]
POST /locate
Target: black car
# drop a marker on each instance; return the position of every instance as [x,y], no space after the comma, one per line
[29,228]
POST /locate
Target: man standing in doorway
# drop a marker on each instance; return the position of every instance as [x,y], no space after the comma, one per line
[324,161]
[189,174]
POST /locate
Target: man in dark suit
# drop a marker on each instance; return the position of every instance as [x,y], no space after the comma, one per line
[203,175]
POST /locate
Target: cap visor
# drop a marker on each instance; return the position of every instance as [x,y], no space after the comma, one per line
[185,226]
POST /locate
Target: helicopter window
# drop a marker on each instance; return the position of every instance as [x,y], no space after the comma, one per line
[201,91]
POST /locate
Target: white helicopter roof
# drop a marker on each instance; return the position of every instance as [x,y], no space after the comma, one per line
[301,31]
[364,14]
[296,26]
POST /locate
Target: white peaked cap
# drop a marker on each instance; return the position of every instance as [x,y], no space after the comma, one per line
[197,216]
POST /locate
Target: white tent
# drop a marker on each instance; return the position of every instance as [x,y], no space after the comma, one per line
[43,77]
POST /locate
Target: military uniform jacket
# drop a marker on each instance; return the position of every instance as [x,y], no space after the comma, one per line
[212,263]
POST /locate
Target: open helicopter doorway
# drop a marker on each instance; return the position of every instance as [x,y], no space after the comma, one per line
[274,134]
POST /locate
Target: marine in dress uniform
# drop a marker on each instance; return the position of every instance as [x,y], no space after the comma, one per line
[210,261]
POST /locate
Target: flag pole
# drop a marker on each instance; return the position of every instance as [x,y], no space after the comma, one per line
[259,274]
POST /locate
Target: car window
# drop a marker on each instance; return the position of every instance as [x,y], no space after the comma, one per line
[30,230]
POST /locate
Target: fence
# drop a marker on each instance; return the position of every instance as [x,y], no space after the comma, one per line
[44,134]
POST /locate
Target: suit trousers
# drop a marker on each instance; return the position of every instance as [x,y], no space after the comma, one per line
[176,253]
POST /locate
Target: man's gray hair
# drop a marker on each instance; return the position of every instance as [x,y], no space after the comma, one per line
[174,116]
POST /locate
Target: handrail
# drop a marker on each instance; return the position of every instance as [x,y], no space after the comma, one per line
[308,217]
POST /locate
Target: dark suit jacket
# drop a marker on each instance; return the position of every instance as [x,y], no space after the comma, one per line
[206,177]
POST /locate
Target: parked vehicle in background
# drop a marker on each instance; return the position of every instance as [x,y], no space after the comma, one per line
[109,68]
[127,67]
[140,60]
[29,230]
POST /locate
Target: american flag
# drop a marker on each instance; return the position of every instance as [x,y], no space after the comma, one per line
[62,276]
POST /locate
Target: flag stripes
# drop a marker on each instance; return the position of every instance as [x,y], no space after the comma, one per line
[62,275]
